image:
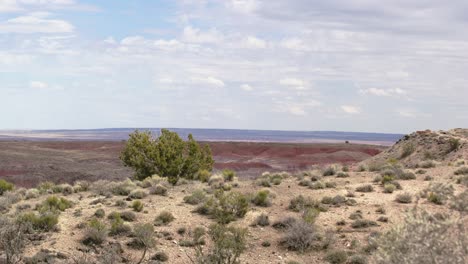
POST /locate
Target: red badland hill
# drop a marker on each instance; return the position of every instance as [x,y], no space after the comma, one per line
[28,163]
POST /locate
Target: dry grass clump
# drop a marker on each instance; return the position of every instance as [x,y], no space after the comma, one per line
[363,223]
[300,203]
[438,193]
[225,207]
[13,240]
[262,198]
[164,218]
[267,179]
[158,190]
[404,198]
[329,171]
[427,164]
[197,197]
[302,236]
[137,206]
[424,238]
[336,257]
[5,186]
[365,188]
[389,188]
[95,233]
[261,220]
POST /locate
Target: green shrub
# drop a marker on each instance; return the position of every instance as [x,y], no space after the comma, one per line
[230,206]
[404,198]
[118,227]
[229,175]
[389,188]
[454,144]
[128,216]
[330,171]
[137,206]
[167,155]
[96,233]
[43,222]
[310,215]
[262,198]
[407,150]
[197,197]
[300,203]
[137,194]
[336,257]
[5,186]
[203,175]
[100,213]
[228,243]
[365,188]
[424,237]
[53,204]
[164,218]
[158,190]
[143,236]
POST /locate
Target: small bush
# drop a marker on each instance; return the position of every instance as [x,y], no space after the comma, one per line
[230,206]
[46,221]
[342,175]
[438,193]
[164,218]
[262,220]
[330,171]
[362,223]
[229,175]
[143,236]
[262,198]
[357,259]
[228,243]
[203,175]
[5,186]
[299,203]
[407,150]
[284,223]
[336,257]
[365,188]
[404,198]
[317,185]
[197,197]
[158,190]
[137,206]
[389,188]
[462,171]
[100,213]
[96,233]
[160,256]
[301,236]
[128,216]
[424,238]
[118,227]
[123,188]
[138,194]
[310,215]
[427,164]
[32,194]
[53,204]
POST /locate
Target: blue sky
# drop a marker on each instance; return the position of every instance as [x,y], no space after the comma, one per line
[354,65]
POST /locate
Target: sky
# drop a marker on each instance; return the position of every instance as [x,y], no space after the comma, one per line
[345,65]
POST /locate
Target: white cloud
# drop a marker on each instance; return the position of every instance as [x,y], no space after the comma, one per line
[296,110]
[243,6]
[110,41]
[246,87]
[212,81]
[255,43]
[172,44]
[350,109]
[295,44]
[18,5]
[383,92]
[166,80]
[35,23]
[38,85]
[133,41]
[195,35]
[295,83]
